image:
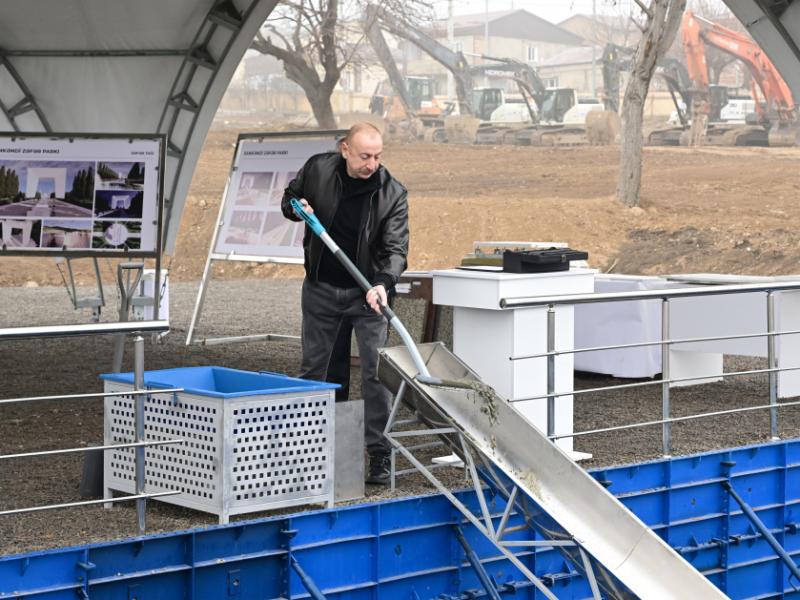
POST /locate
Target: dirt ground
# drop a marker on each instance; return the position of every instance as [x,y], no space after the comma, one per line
[703,210]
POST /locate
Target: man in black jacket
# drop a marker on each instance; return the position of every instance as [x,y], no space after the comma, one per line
[365,211]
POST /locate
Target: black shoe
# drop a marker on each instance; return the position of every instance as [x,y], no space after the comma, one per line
[378,473]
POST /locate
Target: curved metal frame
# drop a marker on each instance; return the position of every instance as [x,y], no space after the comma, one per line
[226,22]
[211,53]
[28,102]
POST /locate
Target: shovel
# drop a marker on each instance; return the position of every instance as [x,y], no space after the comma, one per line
[423,375]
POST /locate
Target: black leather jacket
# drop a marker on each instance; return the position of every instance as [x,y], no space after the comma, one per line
[383,243]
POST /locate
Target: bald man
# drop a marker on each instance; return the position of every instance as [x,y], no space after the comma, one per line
[365,211]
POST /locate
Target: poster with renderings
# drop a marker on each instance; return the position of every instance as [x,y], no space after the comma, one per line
[251,222]
[72,194]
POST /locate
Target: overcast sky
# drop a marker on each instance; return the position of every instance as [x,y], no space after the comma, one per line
[552,10]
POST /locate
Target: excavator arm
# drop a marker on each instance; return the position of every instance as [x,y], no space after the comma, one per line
[455,62]
[696,32]
[375,36]
[530,85]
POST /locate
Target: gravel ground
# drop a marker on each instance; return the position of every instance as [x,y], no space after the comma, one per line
[72,365]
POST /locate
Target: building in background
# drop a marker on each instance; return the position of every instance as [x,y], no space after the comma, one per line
[603,29]
[572,68]
[516,34]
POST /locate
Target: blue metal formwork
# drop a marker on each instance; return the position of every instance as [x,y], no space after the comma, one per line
[407,548]
[394,549]
[684,500]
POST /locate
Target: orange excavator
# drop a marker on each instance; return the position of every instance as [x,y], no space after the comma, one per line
[776,115]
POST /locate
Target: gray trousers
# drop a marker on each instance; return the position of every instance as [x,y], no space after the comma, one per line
[329,315]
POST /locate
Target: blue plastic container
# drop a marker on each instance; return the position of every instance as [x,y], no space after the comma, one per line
[249,441]
[221,382]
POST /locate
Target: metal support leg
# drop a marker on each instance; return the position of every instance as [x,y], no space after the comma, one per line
[473,559]
[398,400]
[475,521]
[758,523]
[551,370]
[666,432]
[138,369]
[476,483]
[587,566]
[501,528]
[127,287]
[772,364]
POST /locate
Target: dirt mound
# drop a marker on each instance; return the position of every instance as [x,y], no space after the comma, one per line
[690,250]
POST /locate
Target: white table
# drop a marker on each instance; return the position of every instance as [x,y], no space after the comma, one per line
[706,316]
[485,336]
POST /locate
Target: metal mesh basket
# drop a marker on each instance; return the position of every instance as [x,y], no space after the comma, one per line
[240,454]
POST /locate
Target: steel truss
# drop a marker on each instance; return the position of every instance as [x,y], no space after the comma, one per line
[17,102]
[482,475]
[193,82]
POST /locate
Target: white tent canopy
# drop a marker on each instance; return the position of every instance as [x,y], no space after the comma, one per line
[104,66]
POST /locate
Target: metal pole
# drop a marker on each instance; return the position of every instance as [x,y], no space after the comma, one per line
[666,427]
[109,501]
[451,82]
[308,583]
[127,287]
[551,370]
[486,30]
[718,413]
[705,290]
[759,524]
[138,384]
[594,46]
[772,363]
[483,576]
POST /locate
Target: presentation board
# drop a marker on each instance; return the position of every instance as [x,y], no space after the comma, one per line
[251,223]
[81,194]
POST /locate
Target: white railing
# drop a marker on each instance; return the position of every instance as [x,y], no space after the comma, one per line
[772,370]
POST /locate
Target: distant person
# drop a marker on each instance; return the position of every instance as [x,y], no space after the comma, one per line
[365,211]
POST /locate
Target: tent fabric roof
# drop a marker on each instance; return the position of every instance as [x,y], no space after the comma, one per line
[99,24]
[106,66]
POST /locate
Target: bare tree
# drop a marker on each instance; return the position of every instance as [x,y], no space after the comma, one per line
[659,24]
[317,39]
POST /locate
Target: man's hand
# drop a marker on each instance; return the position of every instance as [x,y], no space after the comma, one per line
[306,206]
[376,297]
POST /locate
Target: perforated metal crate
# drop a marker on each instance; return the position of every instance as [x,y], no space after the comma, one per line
[253,441]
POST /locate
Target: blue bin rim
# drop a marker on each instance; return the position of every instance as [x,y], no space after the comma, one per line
[294,384]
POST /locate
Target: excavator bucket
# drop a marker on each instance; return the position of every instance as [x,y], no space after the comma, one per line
[461,129]
[784,135]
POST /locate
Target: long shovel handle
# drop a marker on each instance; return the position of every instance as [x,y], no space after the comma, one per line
[317,227]
[314,224]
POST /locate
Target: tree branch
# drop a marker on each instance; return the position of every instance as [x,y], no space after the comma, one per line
[641,28]
[645,9]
